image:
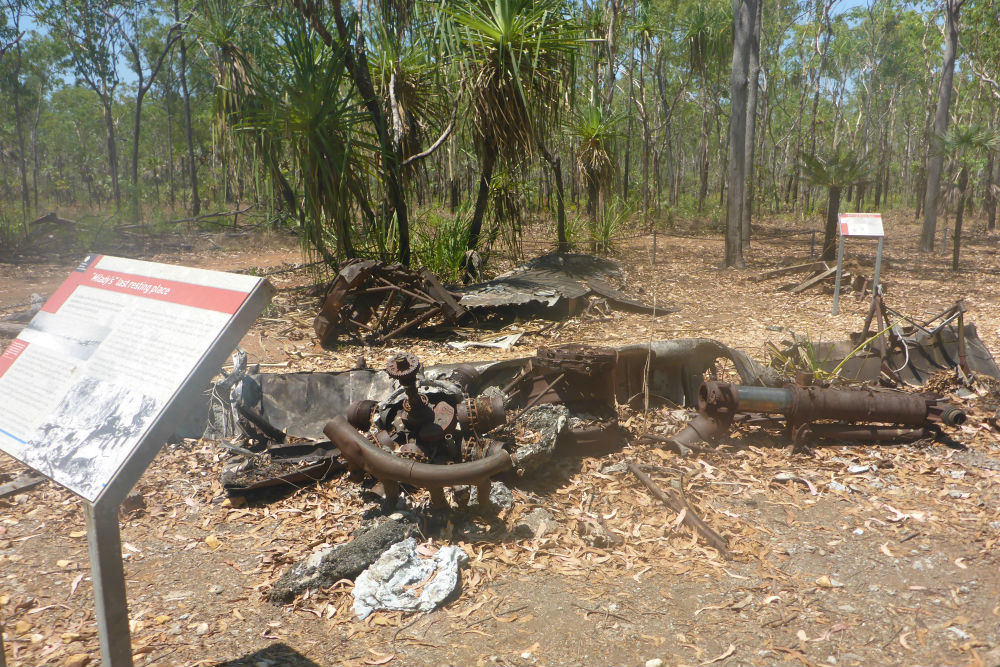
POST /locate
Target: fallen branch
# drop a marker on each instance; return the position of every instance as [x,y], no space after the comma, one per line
[691,520]
[203,216]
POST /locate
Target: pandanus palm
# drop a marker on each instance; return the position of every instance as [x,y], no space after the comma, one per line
[966,143]
[595,133]
[301,103]
[513,54]
[834,171]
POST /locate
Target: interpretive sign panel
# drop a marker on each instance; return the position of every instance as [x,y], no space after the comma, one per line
[93,373]
[861,224]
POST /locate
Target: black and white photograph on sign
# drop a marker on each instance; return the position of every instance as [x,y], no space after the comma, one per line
[74,338]
[92,431]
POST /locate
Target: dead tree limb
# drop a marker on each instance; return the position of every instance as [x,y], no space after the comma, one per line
[691,520]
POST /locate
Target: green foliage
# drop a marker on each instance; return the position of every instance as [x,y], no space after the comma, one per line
[837,169]
[439,243]
[515,53]
[967,142]
[608,228]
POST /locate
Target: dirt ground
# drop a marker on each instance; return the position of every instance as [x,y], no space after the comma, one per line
[894,565]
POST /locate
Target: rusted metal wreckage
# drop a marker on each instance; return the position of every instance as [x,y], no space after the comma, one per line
[866,414]
[903,350]
[461,425]
[407,421]
[374,301]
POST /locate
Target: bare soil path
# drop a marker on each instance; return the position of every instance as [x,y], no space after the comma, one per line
[897,564]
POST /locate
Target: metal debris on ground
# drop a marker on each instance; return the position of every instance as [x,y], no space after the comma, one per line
[556,284]
[855,278]
[563,398]
[866,414]
[402,580]
[897,349]
[374,301]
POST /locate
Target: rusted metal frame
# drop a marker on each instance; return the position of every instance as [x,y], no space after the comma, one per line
[538,397]
[883,345]
[436,290]
[413,295]
[412,323]
[359,324]
[404,308]
[265,427]
[387,305]
[962,359]
[691,520]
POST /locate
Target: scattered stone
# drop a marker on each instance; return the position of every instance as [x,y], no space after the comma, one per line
[595,534]
[959,633]
[77,660]
[654,662]
[535,524]
[614,469]
[837,486]
[861,469]
[215,589]
[500,495]
[201,629]
[133,502]
[344,561]
[858,531]
[401,580]
[548,421]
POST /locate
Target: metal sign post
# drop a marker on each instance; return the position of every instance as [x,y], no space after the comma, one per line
[862,225]
[105,547]
[97,382]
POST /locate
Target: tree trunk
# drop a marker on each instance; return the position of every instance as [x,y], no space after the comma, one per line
[963,183]
[830,230]
[22,158]
[744,16]
[936,162]
[753,74]
[703,154]
[109,127]
[482,198]
[188,130]
[556,165]
[34,144]
[992,182]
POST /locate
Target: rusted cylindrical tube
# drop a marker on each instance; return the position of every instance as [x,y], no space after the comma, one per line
[383,465]
[807,404]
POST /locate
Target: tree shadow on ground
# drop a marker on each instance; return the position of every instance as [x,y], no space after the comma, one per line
[276,655]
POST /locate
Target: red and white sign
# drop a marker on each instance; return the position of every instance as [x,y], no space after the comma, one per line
[85,380]
[861,224]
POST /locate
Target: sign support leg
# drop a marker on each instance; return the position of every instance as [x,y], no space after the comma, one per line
[840,270]
[105,547]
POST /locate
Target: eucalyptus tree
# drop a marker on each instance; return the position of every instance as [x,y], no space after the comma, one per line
[936,160]
[141,31]
[706,30]
[16,85]
[744,18]
[89,31]
[514,54]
